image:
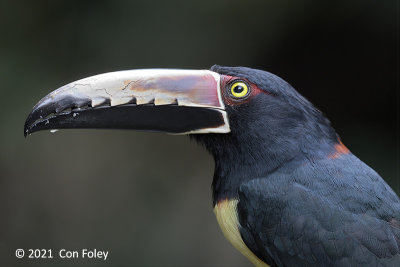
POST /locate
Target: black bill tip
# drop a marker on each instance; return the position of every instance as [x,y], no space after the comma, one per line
[50,107]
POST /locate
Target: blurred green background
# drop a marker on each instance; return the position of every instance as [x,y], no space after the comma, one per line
[146,197]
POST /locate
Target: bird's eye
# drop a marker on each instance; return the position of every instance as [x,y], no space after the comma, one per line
[239,89]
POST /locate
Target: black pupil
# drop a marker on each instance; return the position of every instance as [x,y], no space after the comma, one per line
[238,89]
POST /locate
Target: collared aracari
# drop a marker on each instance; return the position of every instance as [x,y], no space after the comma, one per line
[286,191]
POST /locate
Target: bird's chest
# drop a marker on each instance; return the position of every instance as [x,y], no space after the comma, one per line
[227,218]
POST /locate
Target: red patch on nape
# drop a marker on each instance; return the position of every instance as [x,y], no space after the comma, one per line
[340,149]
[226,80]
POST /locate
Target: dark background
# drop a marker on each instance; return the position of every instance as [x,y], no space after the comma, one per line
[146,197]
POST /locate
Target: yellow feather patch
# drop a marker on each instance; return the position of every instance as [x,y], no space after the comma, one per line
[227,218]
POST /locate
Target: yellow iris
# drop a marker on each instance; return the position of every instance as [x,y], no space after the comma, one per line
[239,89]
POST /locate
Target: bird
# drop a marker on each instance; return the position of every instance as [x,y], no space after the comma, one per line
[286,191]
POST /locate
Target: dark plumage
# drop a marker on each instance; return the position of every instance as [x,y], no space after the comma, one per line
[304,199]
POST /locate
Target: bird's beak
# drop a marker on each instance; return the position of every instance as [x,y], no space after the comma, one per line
[162,100]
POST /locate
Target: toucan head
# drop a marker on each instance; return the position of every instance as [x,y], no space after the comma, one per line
[243,116]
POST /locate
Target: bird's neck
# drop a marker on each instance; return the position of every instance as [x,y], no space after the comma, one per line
[236,166]
[240,158]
